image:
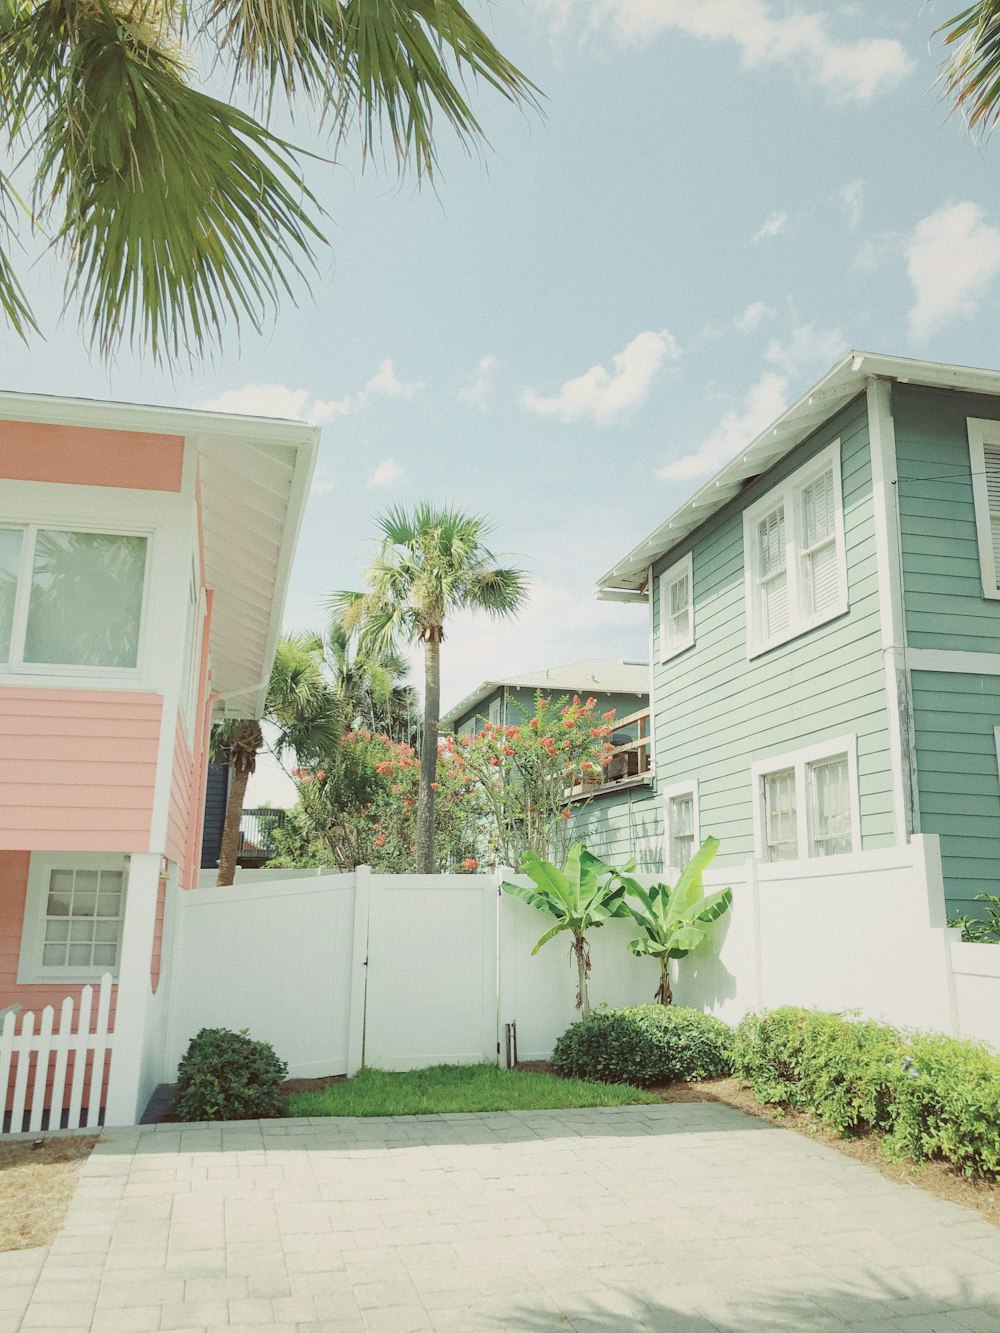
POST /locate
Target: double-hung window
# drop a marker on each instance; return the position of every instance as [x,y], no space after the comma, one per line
[70,598]
[681,821]
[807,804]
[984,457]
[74,911]
[677,608]
[795,554]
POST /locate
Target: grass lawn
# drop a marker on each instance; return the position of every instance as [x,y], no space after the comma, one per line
[450,1088]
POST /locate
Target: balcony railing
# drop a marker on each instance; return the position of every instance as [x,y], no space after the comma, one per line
[631,759]
[257,830]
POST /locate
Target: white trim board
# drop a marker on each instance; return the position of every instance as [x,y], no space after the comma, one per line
[944,659]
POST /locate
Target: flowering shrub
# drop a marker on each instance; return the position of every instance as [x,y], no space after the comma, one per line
[360,809]
[522,775]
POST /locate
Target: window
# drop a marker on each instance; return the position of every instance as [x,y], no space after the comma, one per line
[70,599]
[984,458]
[73,917]
[496,707]
[681,819]
[794,553]
[676,609]
[807,804]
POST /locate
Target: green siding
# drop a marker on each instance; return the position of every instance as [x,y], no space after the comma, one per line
[520,705]
[943,591]
[717,713]
[957,778]
[611,825]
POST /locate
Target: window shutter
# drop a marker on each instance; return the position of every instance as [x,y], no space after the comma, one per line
[991,460]
[820,543]
[780,823]
[773,572]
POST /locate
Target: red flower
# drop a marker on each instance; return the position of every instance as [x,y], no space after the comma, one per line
[434,786]
[533,724]
[591,702]
[507,750]
[565,814]
[470,863]
[609,716]
[380,840]
[495,761]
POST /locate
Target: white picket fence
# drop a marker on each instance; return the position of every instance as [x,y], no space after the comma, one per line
[24,1081]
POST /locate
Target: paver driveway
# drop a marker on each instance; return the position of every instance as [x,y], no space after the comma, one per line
[687,1217]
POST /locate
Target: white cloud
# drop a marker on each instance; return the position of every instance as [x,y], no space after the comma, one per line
[851,197]
[951,258]
[601,395]
[773,225]
[877,250]
[477,389]
[753,316]
[764,401]
[321,487]
[806,351]
[385,474]
[849,71]
[276,400]
[386,384]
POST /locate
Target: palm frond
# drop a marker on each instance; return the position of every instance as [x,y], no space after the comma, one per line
[971,75]
[13,300]
[177,211]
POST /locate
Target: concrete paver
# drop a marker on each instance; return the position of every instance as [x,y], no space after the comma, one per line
[686,1217]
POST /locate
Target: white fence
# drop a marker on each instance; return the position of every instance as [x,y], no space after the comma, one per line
[34,1061]
[398,972]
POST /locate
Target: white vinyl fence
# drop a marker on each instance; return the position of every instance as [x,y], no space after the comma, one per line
[398,972]
[36,1054]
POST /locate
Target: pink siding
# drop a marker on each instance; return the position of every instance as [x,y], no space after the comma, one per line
[85,456]
[77,769]
[181,803]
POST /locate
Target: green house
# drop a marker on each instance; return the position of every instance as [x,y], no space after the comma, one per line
[621,813]
[825,621]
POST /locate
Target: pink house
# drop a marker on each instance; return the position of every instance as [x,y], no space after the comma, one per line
[144,561]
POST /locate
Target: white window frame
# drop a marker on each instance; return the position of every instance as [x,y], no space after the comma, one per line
[495,711]
[15,665]
[676,789]
[789,495]
[799,761]
[982,432]
[684,568]
[30,969]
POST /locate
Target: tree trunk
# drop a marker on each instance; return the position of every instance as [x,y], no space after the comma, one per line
[243,748]
[665,994]
[231,827]
[429,754]
[583,971]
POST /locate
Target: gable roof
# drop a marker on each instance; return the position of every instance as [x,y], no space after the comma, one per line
[255,474]
[626,580]
[593,673]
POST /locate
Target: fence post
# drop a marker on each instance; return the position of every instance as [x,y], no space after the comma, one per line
[926,848]
[359,970]
[491,968]
[125,1085]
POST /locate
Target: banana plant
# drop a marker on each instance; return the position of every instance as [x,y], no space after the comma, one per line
[674,919]
[581,897]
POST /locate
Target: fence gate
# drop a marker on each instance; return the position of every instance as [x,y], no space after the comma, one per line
[431,984]
[41,1055]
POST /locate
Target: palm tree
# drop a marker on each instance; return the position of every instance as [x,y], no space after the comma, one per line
[173,209]
[308,719]
[431,563]
[371,684]
[971,74]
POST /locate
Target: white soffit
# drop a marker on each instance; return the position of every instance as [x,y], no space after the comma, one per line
[847,379]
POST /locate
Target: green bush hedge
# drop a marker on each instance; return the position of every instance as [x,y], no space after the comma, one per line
[226,1076]
[650,1043]
[930,1096]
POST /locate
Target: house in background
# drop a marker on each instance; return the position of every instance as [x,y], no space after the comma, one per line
[144,559]
[825,615]
[621,813]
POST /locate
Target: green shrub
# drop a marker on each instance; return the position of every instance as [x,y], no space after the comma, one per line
[842,1072]
[649,1043]
[226,1076]
[930,1096]
[948,1104]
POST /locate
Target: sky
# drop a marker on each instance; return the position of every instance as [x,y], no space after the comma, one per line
[579,323]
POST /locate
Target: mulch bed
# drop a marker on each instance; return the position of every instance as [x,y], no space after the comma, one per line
[36,1185]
